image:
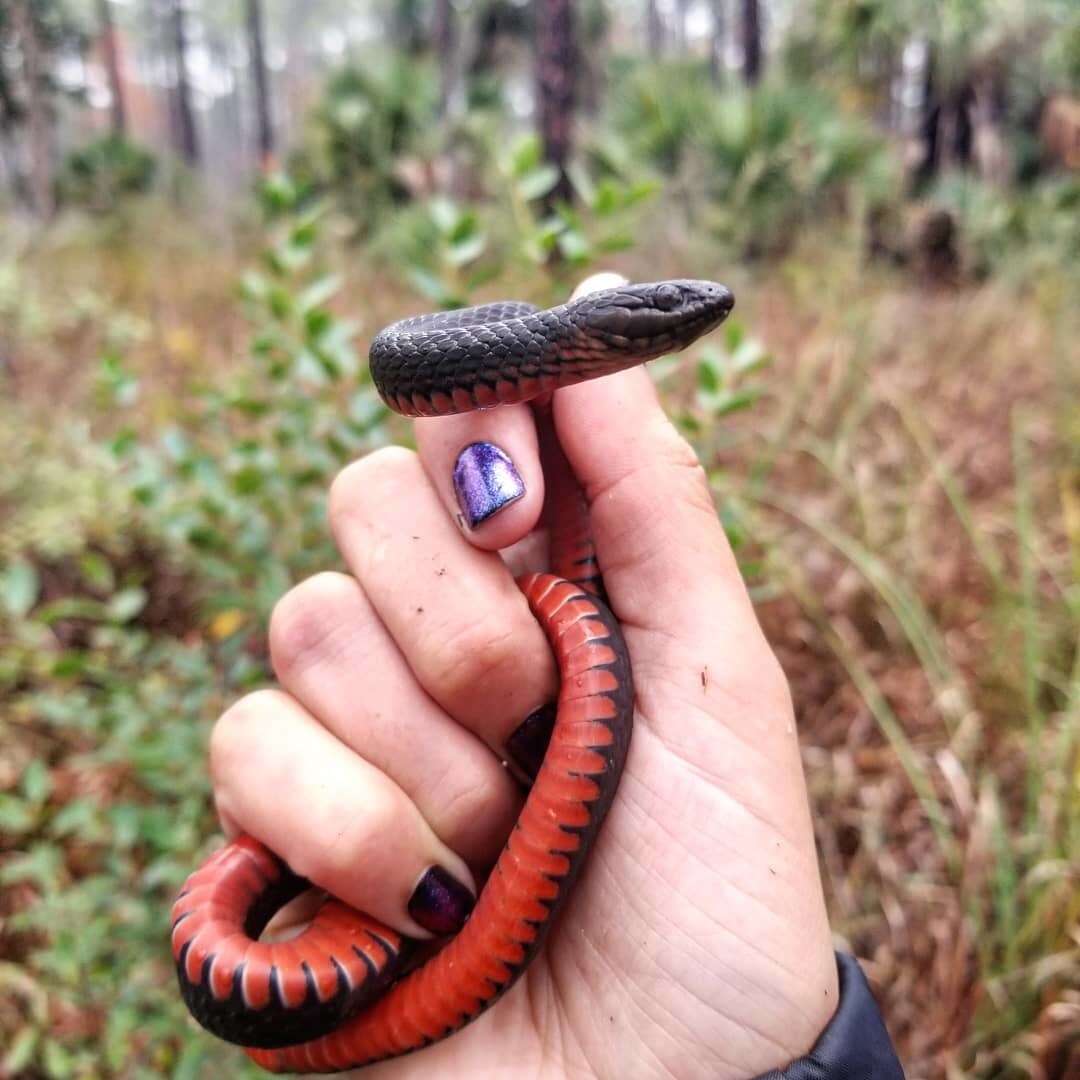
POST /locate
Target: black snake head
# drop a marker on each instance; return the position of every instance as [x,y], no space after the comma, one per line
[645,321]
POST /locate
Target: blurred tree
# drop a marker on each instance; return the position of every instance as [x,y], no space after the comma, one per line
[750,28]
[594,28]
[28,39]
[556,69]
[186,133]
[718,40]
[111,55]
[496,27]
[654,29]
[444,39]
[964,80]
[405,26]
[682,13]
[373,116]
[260,85]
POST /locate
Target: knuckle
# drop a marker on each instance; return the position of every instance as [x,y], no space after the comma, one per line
[678,456]
[306,617]
[366,481]
[237,730]
[467,806]
[477,654]
[360,842]
[677,450]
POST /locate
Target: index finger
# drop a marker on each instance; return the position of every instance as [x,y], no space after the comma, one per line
[486,464]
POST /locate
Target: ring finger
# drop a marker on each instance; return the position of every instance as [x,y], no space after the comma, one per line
[310,785]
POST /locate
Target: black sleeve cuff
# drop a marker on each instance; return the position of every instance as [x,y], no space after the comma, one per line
[855,1045]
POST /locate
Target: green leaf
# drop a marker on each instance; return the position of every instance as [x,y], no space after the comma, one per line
[278,193]
[525,155]
[607,197]
[69,665]
[280,302]
[317,323]
[432,287]
[247,480]
[709,378]
[734,333]
[736,402]
[42,864]
[302,238]
[254,286]
[78,817]
[97,571]
[126,604]
[318,292]
[19,587]
[466,250]
[17,816]
[123,442]
[21,1052]
[538,182]
[57,1060]
[445,214]
[36,782]
[750,356]
[574,246]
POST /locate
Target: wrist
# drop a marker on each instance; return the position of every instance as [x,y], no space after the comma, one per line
[854,1043]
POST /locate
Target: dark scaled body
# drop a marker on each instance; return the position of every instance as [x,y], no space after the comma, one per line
[509,352]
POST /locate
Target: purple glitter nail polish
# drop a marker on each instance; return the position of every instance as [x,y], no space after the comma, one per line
[440,903]
[485,481]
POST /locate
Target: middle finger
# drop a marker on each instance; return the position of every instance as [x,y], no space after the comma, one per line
[454,611]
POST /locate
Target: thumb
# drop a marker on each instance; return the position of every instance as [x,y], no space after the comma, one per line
[663,553]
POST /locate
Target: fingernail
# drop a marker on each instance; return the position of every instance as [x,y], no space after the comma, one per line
[528,745]
[440,903]
[485,481]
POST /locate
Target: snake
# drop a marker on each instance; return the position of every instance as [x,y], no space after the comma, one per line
[349,991]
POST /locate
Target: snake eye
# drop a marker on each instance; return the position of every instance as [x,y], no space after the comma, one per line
[666,298]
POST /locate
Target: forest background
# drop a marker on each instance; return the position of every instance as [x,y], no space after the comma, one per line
[208,209]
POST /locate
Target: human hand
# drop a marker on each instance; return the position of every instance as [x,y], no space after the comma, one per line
[696,941]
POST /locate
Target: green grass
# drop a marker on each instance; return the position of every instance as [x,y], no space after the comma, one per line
[854,495]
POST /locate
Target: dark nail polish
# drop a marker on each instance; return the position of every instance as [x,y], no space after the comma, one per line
[440,903]
[528,745]
[485,481]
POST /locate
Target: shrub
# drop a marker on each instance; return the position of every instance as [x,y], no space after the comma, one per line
[121,644]
[751,165]
[1019,234]
[101,174]
[371,117]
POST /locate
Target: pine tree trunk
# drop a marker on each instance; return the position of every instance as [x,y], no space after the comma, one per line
[187,135]
[260,84]
[37,110]
[654,29]
[716,45]
[111,51]
[682,11]
[556,67]
[444,39]
[751,41]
